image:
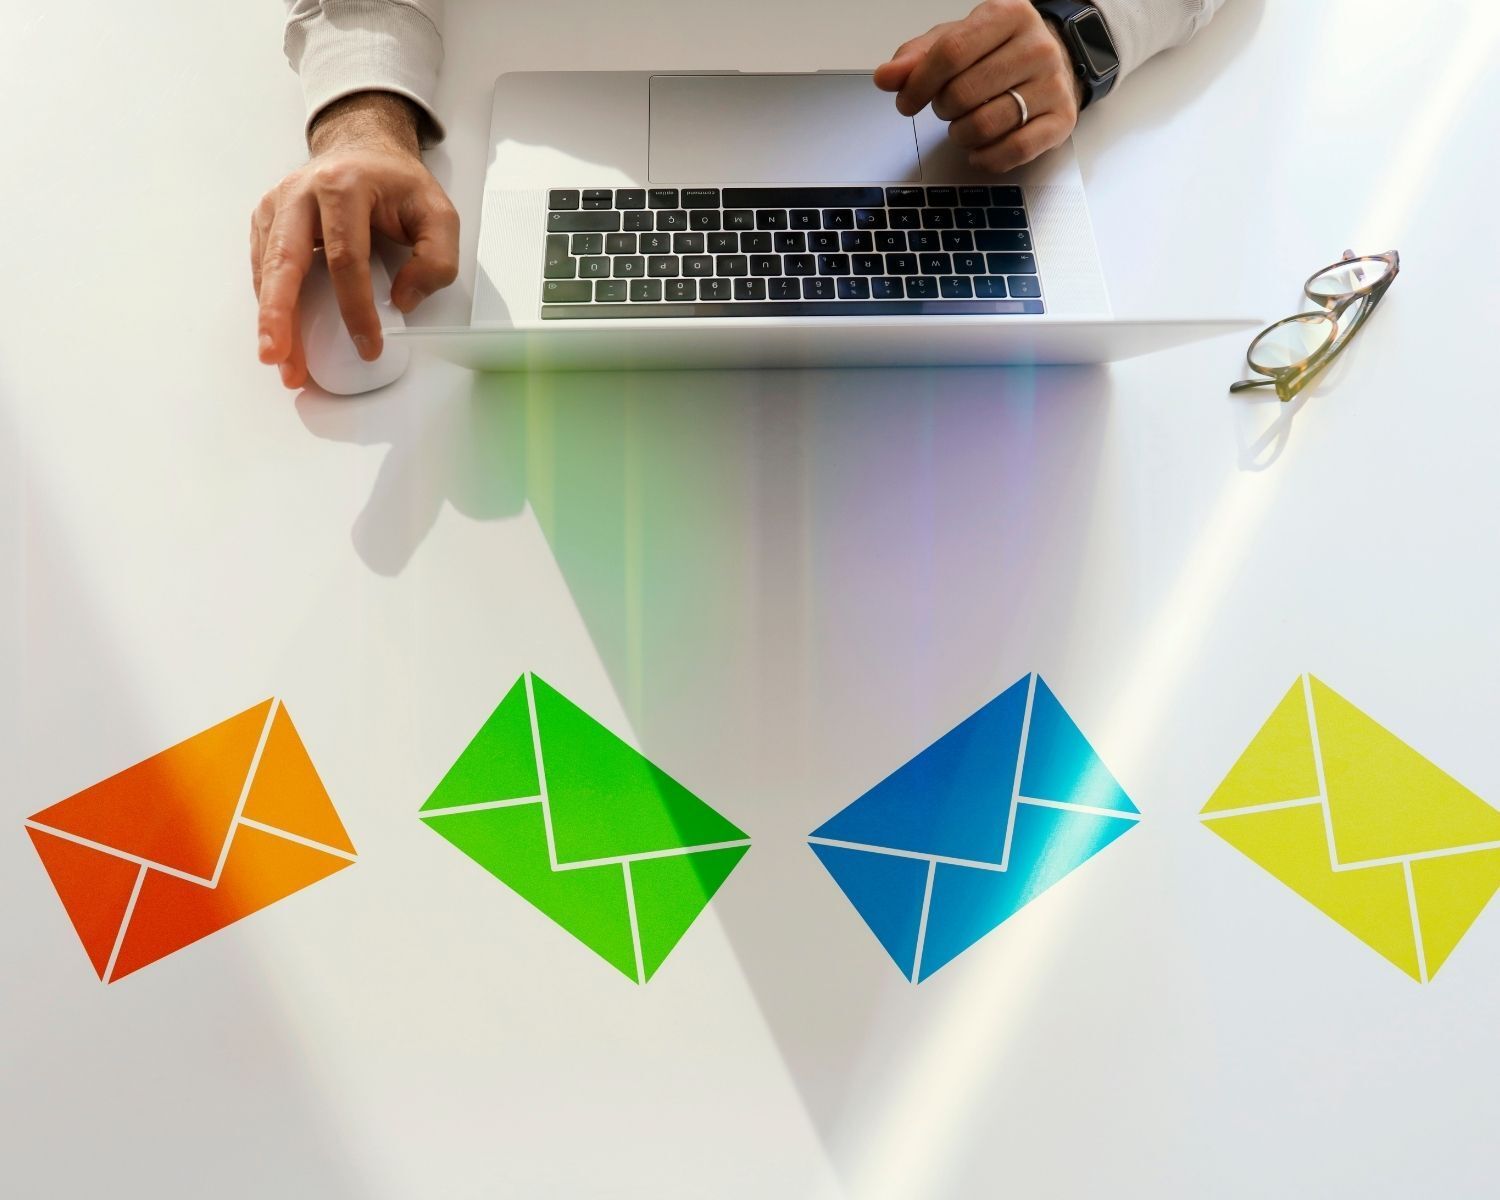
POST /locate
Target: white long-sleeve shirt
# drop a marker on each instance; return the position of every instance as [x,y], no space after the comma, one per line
[340,47]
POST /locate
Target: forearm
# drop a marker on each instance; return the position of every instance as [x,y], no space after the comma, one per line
[1144,28]
[341,48]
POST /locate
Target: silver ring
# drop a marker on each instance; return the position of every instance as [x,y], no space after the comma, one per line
[1021,104]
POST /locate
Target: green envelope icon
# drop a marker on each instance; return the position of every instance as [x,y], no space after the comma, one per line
[585,828]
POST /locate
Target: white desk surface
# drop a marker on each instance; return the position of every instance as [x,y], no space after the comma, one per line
[781,585]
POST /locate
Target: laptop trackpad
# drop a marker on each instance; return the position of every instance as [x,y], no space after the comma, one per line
[778,129]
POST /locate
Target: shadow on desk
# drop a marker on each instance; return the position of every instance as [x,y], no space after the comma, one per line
[795,581]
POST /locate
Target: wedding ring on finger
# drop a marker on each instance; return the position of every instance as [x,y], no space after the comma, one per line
[1021,104]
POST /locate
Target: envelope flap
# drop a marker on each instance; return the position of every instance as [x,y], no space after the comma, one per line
[498,764]
[607,799]
[1061,766]
[953,798]
[287,794]
[175,808]
[1385,799]
[1278,765]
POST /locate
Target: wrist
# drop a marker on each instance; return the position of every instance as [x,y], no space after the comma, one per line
[367,120]
[1056,31]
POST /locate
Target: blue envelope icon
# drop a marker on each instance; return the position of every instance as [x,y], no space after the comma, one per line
[987,818]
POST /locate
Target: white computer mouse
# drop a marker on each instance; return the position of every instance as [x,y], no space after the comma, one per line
[332,360]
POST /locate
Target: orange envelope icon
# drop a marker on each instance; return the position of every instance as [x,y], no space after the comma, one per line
[191,840]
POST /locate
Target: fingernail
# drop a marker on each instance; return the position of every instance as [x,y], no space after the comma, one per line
[363,345]
[410,298]
[286,374]
[265,345]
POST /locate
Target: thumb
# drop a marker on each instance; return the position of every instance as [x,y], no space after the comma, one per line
[891,76]
[434,257]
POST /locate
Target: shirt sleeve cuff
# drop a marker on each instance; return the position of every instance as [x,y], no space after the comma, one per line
[349,46]
[1142,29]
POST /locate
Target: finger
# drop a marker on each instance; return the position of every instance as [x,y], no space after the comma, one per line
[260,224]
[1036,137]
[986,80]
[987,124]
[288,254]
[346,245]
[891,76]
[432,228]
[957,49]
[294,369]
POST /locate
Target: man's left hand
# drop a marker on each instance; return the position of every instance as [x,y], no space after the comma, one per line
[964,70]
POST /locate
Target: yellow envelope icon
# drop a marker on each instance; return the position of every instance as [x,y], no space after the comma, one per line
[1359,824]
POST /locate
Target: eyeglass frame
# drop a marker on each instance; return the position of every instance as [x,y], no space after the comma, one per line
[1290,380]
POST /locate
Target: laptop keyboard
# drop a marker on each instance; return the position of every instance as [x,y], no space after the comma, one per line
[788,252]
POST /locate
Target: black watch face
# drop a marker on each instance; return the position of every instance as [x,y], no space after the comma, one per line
[1093,39]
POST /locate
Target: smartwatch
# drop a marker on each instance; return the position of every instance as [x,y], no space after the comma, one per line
[1084,33]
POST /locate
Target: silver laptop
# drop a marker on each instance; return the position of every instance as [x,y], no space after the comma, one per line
[728,219]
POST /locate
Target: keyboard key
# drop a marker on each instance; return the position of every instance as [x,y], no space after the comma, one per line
[638,222]
[869,264]
[969,264]
[906,218]
[800,264]
[587,243]
[937,218]
[757,243]
[630,266]
[557,201]
[715,289]
[663,198]
[823,242]
[1026,286]
[723,243]
[611,291]
[1011,264]
[1006,218]
[656,243]
[957,239]
[583,222]
[887,288]
[687,243]
[558,264]
[833,264]
[854,288]
[890,240]
[925,239]
[698,266]
[739,218]
[671,219]
[579,291]
[856,241]
[749,289]
[969,218]
[681,289]
[765,265]
[905,197]
[791,243]
[815,289]
[771,218]
[593,268]
[597,198]
[616,243]
[783,289]
[921,287]
[942,197]
[733,264]
[990,287]
[936,264]
[974,197]
[1006,197]
[956,287]
[869,218]
[644,290]
[1003,239]
[700,197]
[838,218]
[798,197]
[703,218]
[597,205]
[901,264]
[630,198]
[806,218]
[661,266]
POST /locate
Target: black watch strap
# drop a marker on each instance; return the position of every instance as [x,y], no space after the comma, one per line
[1086,35]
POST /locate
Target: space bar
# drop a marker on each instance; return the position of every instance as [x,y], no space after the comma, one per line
[794,308]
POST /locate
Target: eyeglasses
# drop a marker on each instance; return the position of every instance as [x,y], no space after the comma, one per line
[1291,352]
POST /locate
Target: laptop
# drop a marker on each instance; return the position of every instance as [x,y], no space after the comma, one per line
[725,219]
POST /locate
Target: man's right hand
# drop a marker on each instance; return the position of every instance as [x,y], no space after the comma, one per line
[366,173]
